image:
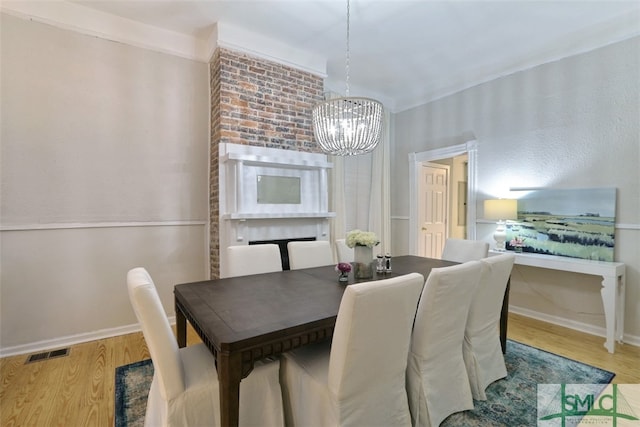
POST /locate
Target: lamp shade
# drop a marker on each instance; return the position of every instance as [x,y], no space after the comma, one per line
[501,209]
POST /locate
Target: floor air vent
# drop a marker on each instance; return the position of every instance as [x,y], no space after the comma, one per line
[47,355]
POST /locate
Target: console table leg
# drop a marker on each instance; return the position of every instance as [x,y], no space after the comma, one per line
[620,305]
[609,294]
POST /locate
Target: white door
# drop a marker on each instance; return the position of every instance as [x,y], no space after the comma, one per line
[432,209]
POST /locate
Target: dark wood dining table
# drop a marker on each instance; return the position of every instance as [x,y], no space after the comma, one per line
[250,318]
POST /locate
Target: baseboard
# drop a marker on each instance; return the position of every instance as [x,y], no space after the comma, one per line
[571,324]
[123,330]
[72,340]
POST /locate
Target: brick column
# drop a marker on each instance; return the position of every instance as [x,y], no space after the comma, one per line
[261,103]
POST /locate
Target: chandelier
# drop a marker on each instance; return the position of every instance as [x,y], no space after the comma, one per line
[349,125]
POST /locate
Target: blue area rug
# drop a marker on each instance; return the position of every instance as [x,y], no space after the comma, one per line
[510,402]
[132,388]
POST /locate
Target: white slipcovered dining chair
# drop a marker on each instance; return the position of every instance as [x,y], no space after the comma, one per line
[307,254]
[344,252]
[244,260]
[184,390]
[358,378]
[437,382]
[482,350]
[461,250]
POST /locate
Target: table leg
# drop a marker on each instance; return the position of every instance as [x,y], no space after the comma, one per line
[229,376]
[181,328]
[504,317]
[620,302]
[610,301]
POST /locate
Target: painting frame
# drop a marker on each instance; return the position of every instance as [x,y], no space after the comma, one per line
[575,223]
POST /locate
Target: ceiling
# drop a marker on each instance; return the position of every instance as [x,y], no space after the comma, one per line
[405,52]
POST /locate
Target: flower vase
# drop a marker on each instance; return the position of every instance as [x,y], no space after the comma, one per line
[518,249]
[362,262]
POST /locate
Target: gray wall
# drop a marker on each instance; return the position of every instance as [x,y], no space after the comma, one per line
[573,123]
[104,167]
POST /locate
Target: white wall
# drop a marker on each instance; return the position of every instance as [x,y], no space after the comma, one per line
[104,167]
[573,123]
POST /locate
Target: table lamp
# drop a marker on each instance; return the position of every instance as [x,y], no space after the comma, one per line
[500,210]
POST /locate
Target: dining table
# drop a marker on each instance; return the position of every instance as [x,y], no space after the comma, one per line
[245,319]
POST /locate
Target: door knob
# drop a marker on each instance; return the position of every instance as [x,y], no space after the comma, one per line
[424,228]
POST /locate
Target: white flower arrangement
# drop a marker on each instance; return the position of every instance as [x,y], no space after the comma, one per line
[361,238]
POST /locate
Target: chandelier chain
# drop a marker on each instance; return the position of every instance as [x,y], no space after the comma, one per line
[347,126]
[348,52]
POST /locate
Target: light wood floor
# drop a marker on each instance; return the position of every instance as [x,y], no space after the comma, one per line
[78,390]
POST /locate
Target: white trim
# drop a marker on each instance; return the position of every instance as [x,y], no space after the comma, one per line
[571,324]
[617,29]
[92,22]
[288,160]
[485,221]
[249,215]
[71,225]
[85,20]
[129,329]
[238,39]
[415,159]
[619,226]
[242,219]
[72,340]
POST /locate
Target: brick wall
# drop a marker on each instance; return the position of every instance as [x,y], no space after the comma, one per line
[256,102]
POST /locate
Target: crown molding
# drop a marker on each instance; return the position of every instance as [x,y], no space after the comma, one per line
[618,29]
[85,20]
[81,19]
[228,36]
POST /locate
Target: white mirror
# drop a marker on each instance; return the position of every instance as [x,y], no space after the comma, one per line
[278,189]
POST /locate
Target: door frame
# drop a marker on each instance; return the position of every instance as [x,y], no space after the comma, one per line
[416,159]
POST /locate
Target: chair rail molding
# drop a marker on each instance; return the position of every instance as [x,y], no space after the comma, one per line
[111,224]
[415,159]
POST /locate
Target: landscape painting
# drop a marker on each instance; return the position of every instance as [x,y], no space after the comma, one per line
[576,223]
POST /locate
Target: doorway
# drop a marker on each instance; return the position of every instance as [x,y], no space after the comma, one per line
[433,208]
[417,242]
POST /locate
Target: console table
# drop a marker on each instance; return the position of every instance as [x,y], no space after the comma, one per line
[612,292]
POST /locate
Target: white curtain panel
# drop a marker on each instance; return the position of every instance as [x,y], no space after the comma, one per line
[380,199]
[357,175]
[360,191]
[337,227]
